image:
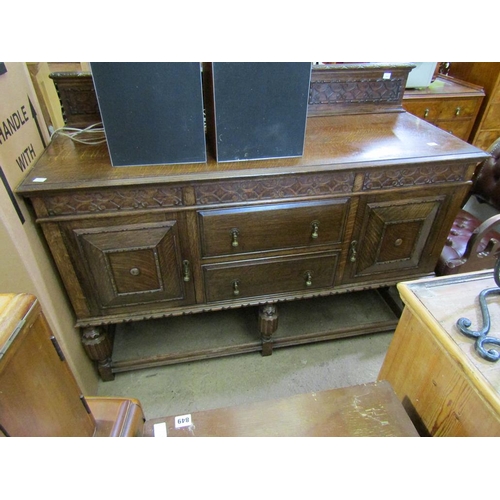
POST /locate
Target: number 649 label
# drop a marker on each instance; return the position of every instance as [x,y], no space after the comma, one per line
[183,421]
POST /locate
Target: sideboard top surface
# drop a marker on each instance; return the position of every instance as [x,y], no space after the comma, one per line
[331,143]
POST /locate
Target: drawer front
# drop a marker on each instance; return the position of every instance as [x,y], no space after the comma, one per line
[459,128]
[458,109]
[269,276]
[263,228]
[427,110]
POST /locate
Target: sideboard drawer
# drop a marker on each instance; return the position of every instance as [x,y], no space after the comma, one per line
[459,108]
[427,110]
[254,278]
[459,128]
[289,225]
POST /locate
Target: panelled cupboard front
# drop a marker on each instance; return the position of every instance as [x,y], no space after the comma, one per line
[369,204]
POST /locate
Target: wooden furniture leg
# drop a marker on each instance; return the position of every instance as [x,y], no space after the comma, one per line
[98,343]
[268,324]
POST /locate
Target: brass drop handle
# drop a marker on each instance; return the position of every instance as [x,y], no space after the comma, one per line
[315,228]
[308,276]
[187,271]
[234,237]
[426,112]
[135,271]
[236,288]
[354,252]
[458,111]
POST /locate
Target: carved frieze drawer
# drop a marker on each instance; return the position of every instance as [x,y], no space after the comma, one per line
[113,200]
[389,178]
[272,188]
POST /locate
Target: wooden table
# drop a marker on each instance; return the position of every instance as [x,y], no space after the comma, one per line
[362,410]
[446,387]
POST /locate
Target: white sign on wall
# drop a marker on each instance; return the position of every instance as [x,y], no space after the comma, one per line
[23,133]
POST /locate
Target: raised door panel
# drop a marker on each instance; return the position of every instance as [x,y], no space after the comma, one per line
[394,237]
[272,227]
[132,264]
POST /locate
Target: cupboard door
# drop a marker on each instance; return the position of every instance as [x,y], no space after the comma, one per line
[394,237]
[134,263]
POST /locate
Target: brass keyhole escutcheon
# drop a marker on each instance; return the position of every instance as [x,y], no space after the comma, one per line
[398,242]
[236,288]
[315,228]
[458,111]
[426,112]
[135,271]
[234,237]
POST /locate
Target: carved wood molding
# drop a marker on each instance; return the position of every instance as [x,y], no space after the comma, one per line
[362,91]
[282,187]
[414,176]
[115,200]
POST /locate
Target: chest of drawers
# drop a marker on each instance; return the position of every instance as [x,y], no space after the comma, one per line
[369,204]
[450,104]
[487,74]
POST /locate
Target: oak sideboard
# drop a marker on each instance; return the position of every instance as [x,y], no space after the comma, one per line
[369,204]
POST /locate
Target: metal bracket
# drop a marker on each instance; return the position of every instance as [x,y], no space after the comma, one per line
[481,335]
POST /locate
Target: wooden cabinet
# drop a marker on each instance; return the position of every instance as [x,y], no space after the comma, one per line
[446,387]
[487,74]
[369,204]
[448,103]
[39,396]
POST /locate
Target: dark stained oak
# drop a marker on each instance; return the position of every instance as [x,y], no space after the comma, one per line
[369,204]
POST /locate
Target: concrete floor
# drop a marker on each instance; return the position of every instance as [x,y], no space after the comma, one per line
[220,382]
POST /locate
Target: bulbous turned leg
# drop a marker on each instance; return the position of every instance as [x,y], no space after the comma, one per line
[98,343]
[268,324]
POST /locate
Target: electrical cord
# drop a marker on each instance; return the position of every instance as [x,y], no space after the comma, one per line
[95,130]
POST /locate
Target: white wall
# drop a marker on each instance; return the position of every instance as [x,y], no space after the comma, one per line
[26,264]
